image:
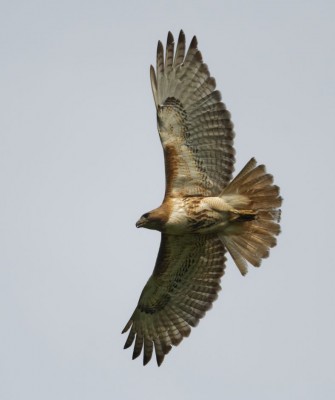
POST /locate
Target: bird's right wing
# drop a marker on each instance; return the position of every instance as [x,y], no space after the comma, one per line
[183,286]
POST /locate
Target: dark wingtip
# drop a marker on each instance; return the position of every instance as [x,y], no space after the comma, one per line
[159,359]
[194,43]
[124,330]
[146,358]
[159,47]
[170,39]
[181,37]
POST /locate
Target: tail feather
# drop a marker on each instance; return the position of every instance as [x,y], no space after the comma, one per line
[249,240]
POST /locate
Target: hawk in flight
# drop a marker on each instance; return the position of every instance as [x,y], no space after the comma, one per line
[204,212]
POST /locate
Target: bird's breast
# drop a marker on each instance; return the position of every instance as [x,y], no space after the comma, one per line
[177,222]
[196,215]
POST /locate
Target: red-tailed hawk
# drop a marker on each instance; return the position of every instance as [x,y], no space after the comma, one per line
[204,212]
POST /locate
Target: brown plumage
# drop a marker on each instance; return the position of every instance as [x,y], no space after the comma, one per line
[204,212]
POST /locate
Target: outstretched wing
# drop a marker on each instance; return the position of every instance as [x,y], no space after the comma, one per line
[194,126]
[182,288]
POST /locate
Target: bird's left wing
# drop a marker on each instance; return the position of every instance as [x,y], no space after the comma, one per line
[183,286]
[194,125]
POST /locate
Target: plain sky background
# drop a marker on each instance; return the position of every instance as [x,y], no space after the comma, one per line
[80,161]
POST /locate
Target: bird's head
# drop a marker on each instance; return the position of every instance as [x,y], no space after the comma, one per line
[151,220]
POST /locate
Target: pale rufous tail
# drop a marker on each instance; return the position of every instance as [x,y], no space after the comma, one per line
[249,237]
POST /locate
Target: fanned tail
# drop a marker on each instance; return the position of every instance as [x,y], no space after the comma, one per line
[249,237]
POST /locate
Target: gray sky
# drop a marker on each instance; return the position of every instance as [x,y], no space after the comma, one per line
[80,161]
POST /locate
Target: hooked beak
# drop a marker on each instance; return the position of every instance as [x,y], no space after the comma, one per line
[140,222]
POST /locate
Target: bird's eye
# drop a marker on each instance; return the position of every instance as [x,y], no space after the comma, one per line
[146,215]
